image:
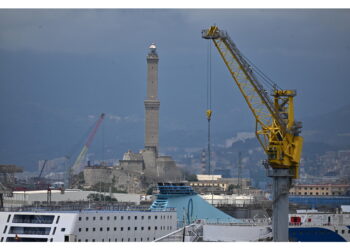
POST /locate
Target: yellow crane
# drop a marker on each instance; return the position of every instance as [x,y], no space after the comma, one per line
[276,129]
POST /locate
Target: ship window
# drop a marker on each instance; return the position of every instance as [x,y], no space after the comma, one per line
[128,239]
[58,219]
[115,217]
[8,218]
[142,228]
[135,229]
[336,231]
[109,240]
[128,217]
[5,229]
[149,228]
[101,218]
[94,218]
[128,228]
[87,229]
[51,240]
[79,218]
[87,218]
[116,240]
[122,218]
[93,240]
[343,231]
[122,239]
[135,239]
[2,239]
[93,229]
[107,217]
[122,228]
[142,217]
[155,228]
[141,239]
[86,240]
[155,217]
[36,219]
[101,229]
[79,229]
[154,238]
[107,228]
[25,239]
[103,240]
[63,229]
[348,231]
[115,229]
[149,217]
[79,240]
[54,231]
[135,217]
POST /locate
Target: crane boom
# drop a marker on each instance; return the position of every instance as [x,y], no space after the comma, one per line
[82,154]
[276,129]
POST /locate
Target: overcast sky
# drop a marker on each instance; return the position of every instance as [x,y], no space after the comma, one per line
[80,63]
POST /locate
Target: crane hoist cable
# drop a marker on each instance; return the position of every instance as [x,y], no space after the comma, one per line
[209,113]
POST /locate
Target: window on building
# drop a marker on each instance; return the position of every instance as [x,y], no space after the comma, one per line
[79,218]
[128,217]
[142,228]
[135,240]
[107,217]
[116,240]
[115,229]
[93,229]
[79,240]
[142,217]
[94,218]
[128,228]
[149,217]
[122,228]
[343,231]
[87,229]
[128,239]
[155,217]
[135,217]
[141,239]
[316,193]
[107,229]
[101,218]
[103,240]
[148,239]
[79,229]
[87,218]
[101,229]
[93,240]
[149,228]
[109,240]
[155,228]
[115,217]
[135,228]
[304,193]
[86,240]
[122,239]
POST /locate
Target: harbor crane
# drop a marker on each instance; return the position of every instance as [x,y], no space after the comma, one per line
[78,161]
[276,129]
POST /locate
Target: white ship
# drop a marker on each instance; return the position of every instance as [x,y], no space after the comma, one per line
[86,225]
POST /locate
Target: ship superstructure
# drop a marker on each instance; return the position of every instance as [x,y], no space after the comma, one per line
[87,225]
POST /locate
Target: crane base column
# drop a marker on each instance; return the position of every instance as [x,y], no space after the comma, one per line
[281,182]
